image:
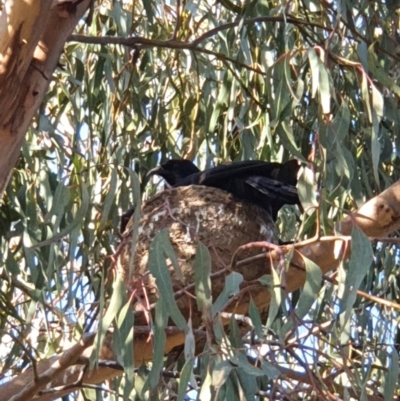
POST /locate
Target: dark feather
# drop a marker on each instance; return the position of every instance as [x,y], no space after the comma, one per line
[174,170]
[267,185]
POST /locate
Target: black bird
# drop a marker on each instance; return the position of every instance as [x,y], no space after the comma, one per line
[174,170]
[267,185]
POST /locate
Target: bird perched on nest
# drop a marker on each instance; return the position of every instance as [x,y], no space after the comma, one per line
[267,185]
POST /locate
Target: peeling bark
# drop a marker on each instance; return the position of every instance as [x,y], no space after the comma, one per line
[32,37]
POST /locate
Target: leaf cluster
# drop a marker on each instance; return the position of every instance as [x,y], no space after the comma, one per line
[213,82]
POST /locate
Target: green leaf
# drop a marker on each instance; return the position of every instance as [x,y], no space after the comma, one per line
[124,346]
[109,200]
[314,66]
[231,288]
[158,268]
[248,383]
[170,253]
[266,280]
[233,391]
[241,361]
[391,377]
[361,257]
[136,218]
[341,121]
[285,134]
[116,302]
[309,293]
[307,189]
[282,92]
[219,329]
[377,102]
[186,373]
[270,370]
[99,72]
[220,373]
[379,72]
[341,166]
[141,382]
[202,269]
[275,291]
[190,342]
[235,336]
[365,96]
[324,89]
[360,262]
[221,102]
[375,147]
[205,390]
[255,318]
[60,201]
[12,265]
[148,6]
[76,222]
[160,338]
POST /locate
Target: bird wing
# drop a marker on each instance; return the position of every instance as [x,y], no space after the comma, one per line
[267,185]
[218,174]
[277,190]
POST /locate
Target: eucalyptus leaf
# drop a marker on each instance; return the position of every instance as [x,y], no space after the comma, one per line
[202,269]
[158,268]
[232,283]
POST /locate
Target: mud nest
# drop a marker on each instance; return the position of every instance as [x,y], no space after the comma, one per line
[222,223]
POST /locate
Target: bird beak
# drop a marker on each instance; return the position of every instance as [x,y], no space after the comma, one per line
[155,171]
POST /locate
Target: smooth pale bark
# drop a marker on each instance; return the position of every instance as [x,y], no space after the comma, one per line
[22,23]
[379,216]
[32,37]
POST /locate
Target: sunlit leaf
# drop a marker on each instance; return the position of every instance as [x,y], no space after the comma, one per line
[158,268]
[314,66]
[202,269]
[324,89]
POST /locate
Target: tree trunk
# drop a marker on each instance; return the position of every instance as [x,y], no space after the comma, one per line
[32,37]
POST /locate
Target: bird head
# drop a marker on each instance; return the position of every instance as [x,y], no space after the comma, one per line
[174,170]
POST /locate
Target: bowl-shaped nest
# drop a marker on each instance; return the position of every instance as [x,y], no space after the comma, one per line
[222,223]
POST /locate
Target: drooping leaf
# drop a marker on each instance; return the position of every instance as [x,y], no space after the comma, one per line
[231,288]
[392,378]
[324,89]
[158,268]
[314,66]
[186,372]
[116,303]
[202,269]
[160,322]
